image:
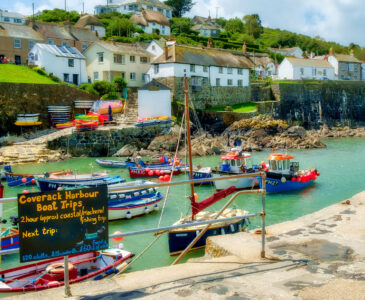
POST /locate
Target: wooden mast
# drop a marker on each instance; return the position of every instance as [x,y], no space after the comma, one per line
[187,117]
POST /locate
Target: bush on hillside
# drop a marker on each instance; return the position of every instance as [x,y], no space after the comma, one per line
[111,96]
[40,71]
[103,87]
[53,77]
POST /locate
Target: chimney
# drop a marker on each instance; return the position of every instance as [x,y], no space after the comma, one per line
[352,52]
[244,48]
[166,52]
[331,51]
[210,44]
[325,57]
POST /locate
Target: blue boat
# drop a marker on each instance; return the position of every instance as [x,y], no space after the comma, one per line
[50,184]
[282,175]
[9,238]
[203,173]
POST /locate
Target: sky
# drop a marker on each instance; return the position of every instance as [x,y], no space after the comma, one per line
[341,21]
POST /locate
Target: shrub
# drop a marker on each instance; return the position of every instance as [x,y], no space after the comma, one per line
[102,87]
[111,96]
[228,108]
[119,83]
[40,71]
[87,87]
[54,77]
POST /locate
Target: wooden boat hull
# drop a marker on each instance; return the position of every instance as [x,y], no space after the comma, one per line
[92,265]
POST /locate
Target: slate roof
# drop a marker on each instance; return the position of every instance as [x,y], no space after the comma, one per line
[88,20]
[154,83]
[203,56]
[305,62]
[149,16]
[69,52]
[123,48]
[19,31]
[347,58]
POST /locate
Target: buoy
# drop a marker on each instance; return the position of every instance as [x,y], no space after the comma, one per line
[157,172]
[318,174]
[33,180]
[167,177]
[162,172]
[119,238]
[162,159]
[266,170]
[148,170]
[150,173]
[25,192]
[299,179]
[160,178]
[195,196]
[283,179]
[24,180]
[128,215]
[263,164]
[293,179]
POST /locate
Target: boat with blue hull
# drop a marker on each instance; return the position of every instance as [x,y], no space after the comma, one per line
[203,173]
[9,238]
[282,175]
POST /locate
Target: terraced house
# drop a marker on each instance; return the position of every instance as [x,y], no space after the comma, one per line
[107,60]
[347,67]
[152,22]
[216,77]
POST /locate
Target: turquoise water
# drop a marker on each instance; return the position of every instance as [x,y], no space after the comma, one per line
[341,166]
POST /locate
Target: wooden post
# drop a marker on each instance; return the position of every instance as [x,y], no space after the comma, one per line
[66,279]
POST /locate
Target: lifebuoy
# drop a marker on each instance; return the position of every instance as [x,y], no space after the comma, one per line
[59,268]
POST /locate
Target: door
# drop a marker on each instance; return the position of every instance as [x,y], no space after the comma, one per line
[18,60]
[75,79]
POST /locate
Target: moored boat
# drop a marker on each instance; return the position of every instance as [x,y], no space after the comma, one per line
[9,238]
[282,175]
[49,273]
[141,172]
[203,173]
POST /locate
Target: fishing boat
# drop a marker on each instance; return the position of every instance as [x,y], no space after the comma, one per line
[49,273]
[54,182]
[141,172]
[233,163]
[180,239]
[133,202]
[133,162]
[16,179]
[284,176]
[9,238]
[203,173]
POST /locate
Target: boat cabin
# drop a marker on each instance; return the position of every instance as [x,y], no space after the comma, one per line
[233,161]
[280,163]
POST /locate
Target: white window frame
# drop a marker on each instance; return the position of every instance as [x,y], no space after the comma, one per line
[240,71]
[71,62]
[205,69]
[100,57]
[96,76]
[192,68]
[133,61]
[229,82]
[17,43]
[156,68]
[239,82]
[229,71]
[133,76]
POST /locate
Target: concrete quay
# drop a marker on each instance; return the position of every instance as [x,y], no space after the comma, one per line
[317,256]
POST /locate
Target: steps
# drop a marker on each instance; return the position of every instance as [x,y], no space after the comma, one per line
[131,112]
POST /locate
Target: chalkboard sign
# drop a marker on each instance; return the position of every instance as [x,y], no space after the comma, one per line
[60,223]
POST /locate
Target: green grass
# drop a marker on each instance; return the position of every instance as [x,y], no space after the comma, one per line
[238,108]
[22,74]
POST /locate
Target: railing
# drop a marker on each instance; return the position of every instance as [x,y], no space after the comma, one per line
[162,230]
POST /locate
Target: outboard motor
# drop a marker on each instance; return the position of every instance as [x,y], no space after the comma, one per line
[14,220]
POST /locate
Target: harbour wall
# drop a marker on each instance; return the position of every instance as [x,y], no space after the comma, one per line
[107,141]
[22,98]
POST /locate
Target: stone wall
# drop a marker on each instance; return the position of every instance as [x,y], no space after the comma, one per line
[312,104]
[208,96]
[261,92]
[18,98]
[107,142]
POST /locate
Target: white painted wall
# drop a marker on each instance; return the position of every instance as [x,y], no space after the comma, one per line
[154,49]
[285,70]
[178,70]
[99,29]
[164,30]
[154,103]
[334,62]
[58,66]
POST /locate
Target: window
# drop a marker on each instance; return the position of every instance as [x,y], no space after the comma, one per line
[239,71]
[351,67]
[84,47]
[18,21]
[205,80]
[156,68]
[218,82]
[31,44]
[314,71]
[355,67]
[133,76]
[101,57]
[301,71]
[153,47]
[66,77]
[132,59]
[324,72]
[229,71]
[192,68]
[205,69]
[144,60]
[50,42]
[229,82]
[240,82]
[6,19]
[154,23]
[17,43]
[220,70]
[92,27]
[71,63]
[96,76]
[65,44]
[343,66]
[145,78]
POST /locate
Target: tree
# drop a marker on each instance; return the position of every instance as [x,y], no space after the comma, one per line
[181,25]
[253,25]
[58,15]
[180,7]
[121,27]
[234,25]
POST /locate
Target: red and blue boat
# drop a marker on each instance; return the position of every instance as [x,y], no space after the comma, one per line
[283,175]
[9,238]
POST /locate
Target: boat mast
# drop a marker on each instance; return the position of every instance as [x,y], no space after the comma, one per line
[187,117]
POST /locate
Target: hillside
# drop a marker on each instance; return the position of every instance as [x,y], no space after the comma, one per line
[22,74]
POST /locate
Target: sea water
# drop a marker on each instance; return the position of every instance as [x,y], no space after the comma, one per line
[341,165]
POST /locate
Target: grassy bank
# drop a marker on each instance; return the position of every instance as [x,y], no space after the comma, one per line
[22,74]
[238,108]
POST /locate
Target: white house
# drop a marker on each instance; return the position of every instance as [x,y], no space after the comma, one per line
[134,6]
[152,22]
[67,63]
[93,23]
[300,68]
[156,47]
[295,51]
[206,26]
[12,17]
[154,100]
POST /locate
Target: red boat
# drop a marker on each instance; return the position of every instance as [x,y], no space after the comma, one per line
[49,273]
[152,172]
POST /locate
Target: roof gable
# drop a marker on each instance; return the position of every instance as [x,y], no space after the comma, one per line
[121,48]
[60,51]
[305,62]
[19,31]
[88,20]
[154,86]
[346,58]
